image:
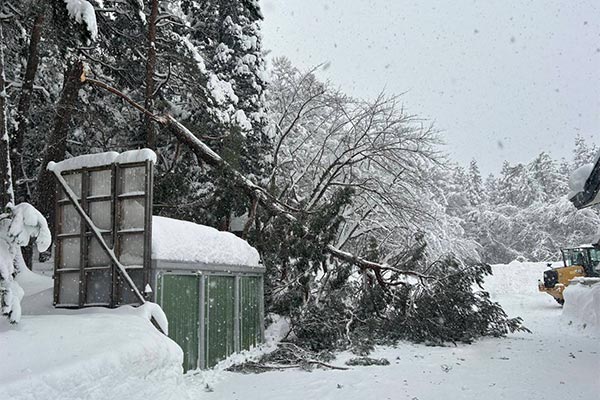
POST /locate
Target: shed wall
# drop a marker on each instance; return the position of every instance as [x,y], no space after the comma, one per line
[213,311]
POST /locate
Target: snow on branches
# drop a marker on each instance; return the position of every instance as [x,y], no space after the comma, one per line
[18,226]
[82,11]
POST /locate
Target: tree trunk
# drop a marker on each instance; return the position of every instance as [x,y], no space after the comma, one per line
[22,188]
[6,189]
[56,142]
[150,68]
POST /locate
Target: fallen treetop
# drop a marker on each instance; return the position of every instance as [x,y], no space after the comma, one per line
[206,154]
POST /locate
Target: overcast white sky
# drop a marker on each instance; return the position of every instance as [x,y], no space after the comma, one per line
[503,79]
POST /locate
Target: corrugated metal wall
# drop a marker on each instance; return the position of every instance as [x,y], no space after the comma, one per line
[219,318]
[230,318]
[250,319]
[180,300]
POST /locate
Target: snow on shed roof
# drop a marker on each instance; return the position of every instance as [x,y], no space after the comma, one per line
[176,240]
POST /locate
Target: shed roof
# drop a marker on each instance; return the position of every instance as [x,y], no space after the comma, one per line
[184,241]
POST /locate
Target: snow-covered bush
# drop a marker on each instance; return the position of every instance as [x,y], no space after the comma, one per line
[18,225]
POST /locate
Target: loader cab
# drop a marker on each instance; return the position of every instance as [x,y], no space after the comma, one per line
[586,256]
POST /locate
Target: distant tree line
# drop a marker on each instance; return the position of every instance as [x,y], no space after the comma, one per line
[524,211]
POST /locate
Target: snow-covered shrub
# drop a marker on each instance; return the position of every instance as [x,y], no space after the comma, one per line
[18,225]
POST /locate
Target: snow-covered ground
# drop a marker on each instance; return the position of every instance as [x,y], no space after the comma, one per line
[101,354]
[555,361]
[85,354]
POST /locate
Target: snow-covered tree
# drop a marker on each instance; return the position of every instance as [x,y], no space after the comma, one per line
[474,185]
[18,225]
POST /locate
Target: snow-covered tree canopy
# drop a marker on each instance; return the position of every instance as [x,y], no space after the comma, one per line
[326,141]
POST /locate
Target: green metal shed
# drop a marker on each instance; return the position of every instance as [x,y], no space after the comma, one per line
[210,286]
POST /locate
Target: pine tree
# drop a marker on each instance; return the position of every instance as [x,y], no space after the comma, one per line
[516,186]
[474,188]
[546,176]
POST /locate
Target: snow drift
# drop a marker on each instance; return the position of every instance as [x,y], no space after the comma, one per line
[582,306]
[93,353]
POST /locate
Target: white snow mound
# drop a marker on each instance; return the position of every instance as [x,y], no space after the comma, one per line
[104,355]
[582,306]
[176,240]
[516,278]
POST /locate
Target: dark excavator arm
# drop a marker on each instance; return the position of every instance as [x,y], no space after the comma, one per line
[590,194]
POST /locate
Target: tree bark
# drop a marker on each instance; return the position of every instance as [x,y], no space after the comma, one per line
[150,68]
[22,189]
[56,142]
[6,189]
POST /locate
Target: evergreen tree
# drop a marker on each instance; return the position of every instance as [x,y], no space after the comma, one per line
[546,176]
[475,191]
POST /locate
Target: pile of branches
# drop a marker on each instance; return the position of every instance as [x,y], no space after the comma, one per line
[346,314]
[288,355]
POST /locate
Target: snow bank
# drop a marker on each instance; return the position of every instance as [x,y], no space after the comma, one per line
[516,278]
[582,306]
[106,355]
[175,240]
[93,353]
[33,283]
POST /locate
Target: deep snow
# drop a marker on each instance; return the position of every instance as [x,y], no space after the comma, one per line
[102,354]
[556,361]
[94,353]
[582,305]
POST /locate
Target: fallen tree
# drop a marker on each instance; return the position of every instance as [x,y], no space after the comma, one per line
[409,298]
[268,202]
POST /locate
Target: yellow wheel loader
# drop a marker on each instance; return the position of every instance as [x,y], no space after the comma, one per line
[583,261]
